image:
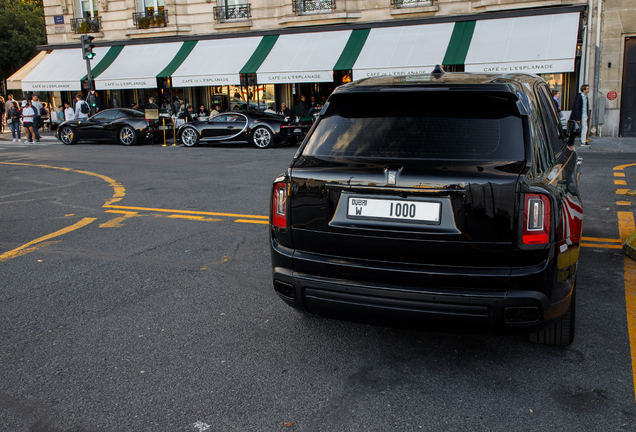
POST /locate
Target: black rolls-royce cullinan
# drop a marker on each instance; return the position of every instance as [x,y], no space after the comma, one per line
[449,198]
[261,129]
[124,125]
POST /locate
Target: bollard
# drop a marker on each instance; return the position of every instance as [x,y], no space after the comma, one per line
[163,119]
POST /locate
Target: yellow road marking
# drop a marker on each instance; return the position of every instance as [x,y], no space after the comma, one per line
[621,191]
[623,203]
[251,221]
[117,222]
[626,227]
[17,251]
[619,174]
[620,182]
[601,246]
[187,217]
[118,189]
[621,167]
[187,212]
[600,239]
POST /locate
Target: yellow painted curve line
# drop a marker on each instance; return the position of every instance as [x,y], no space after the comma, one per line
[622,167]
[118,189]
[626,227]
[31,246]
[193,212]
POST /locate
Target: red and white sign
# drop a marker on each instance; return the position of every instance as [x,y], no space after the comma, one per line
[611,95]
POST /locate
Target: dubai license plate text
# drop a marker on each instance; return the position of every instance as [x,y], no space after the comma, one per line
[395,210]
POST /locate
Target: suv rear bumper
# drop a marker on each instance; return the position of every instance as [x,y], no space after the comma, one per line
[480,310]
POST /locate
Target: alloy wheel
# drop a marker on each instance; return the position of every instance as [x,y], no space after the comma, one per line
[127,135]
[189,137]
[262,137]
[66,135]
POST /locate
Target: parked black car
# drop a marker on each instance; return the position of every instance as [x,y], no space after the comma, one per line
[262,130]
[444,198]
[124,125]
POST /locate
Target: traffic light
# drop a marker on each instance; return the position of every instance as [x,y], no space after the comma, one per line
[87,47]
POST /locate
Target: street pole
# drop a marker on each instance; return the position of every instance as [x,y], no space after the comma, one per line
[88,73]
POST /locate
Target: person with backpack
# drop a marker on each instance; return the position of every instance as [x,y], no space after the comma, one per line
[82,110]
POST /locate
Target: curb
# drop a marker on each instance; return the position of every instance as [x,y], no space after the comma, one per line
[629,247]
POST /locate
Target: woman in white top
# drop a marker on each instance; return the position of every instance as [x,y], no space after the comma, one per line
[69,114]
[28,114]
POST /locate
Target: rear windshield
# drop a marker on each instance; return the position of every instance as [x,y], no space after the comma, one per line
[419,125]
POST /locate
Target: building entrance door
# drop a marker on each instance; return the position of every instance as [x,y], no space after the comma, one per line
[628,93]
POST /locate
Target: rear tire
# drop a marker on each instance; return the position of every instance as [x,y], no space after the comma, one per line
[262,137]
[67,135]
[561,333]
[127,136]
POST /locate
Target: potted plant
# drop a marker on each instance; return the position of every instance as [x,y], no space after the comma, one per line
[143,23]
[84,27]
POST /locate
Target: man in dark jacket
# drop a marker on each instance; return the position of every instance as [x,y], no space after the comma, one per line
[304,108]
[579,113]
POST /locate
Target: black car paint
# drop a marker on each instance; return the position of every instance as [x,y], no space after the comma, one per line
[468,275]
[98,128]
[214,131]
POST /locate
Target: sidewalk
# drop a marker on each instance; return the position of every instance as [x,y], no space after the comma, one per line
[47,137]
[608,144]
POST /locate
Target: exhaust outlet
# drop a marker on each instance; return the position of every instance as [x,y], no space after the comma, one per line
[522,315]
[285,290]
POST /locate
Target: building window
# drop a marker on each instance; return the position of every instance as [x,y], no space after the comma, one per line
[88,20]
[152,13]
[304,7]
[410,3]
[232,10]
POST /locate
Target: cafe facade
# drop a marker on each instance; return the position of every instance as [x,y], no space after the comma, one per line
[250,69]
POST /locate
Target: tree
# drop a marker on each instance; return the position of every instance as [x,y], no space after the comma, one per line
[22,29]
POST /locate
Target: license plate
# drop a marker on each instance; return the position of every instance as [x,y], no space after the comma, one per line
[394,210]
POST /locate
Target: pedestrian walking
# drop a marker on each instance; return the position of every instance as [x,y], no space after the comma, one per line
[13,117]
[580,114]
[28,117]
[2,114]
[69,114]
[38,119]
[82,110]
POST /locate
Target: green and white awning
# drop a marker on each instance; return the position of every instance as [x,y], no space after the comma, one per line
[531,44]
[303,57]
[216,62]
[62,70]
[139,66]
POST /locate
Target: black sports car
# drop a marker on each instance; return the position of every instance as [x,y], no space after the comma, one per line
[128,126]
[262,130]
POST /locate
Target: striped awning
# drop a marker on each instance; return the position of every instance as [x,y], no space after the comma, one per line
[303,57]
[139,66]
[62,70]
[531,44]
[216,62]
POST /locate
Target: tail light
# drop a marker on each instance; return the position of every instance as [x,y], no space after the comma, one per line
[279,210]
[536,220]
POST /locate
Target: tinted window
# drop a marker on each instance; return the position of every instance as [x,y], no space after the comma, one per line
[105,115]
[425,125]
[229,118]
[551,119]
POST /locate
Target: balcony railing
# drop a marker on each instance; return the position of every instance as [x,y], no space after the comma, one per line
[149,19]
[86,25]
[410,3]
[232,12]
[301,7]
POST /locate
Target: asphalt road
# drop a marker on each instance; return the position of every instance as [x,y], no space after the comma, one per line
[156,313]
